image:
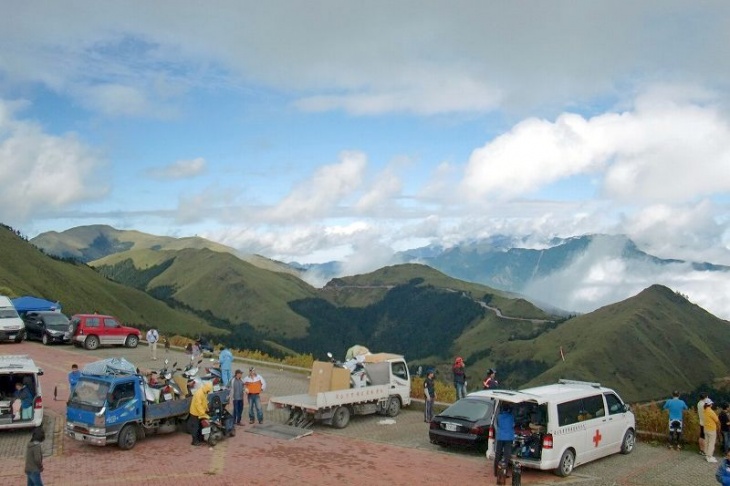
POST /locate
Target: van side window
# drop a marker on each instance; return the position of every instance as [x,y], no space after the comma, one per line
[593,406]
[92,322]
[615,405]
[569,412]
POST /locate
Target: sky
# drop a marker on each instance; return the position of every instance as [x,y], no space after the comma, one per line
[335,130]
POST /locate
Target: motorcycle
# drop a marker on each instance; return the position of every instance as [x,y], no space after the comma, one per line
[358,373]
[220,424]
[194,382]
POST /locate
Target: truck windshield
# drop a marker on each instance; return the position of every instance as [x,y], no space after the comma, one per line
[89,394]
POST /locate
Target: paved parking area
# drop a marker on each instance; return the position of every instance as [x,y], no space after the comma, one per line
[370,450]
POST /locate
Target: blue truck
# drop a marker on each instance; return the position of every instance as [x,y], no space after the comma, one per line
[113,408]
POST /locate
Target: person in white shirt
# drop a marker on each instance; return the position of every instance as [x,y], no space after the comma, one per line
[152,338]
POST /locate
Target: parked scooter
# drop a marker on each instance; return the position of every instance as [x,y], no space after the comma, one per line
[194,382]
[220,424]
[358,373]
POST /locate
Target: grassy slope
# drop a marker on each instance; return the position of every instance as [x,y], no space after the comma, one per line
[27,271]
[230,288]
[645,346]
[72,241]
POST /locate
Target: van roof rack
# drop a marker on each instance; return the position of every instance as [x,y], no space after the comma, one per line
[594,384]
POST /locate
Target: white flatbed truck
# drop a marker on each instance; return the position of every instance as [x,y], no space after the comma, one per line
[388,389]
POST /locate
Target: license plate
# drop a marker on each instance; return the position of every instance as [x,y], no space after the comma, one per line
[205,431]
[451,427]
[11,336]
[78,437]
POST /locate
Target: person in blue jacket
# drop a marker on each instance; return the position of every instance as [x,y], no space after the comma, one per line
[676,407]
[73,377]
[23,406]
[505,436]
[225,359]
[723,471]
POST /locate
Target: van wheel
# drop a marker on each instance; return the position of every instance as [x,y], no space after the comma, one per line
[627,445]
[131,341]
[567,461]
[92,342]
[393,407]
[127,437]
[341,418]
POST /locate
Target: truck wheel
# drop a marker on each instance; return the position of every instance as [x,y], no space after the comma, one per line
[341,418]
[131,341]
[393,407]
[214,437]
[127,437]
[91,343]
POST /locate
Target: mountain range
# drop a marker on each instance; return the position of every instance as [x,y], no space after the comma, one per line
[645,345]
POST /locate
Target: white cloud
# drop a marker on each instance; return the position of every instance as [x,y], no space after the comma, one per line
[42,172]
[319,196]
[659,152]
[180,169]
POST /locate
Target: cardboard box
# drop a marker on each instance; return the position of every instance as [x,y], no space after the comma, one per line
[321,378]
[340,379]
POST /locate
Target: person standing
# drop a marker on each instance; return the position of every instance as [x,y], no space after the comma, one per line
[254,385]
[712,424]
[429,392]
[237,388]
[701,419]
[152,337]
[225,358]
[459,377]
[505,436]
[198,411]
[491,380]
[34,457]
[725,427]
[166,344]
[676,408]
[73,378]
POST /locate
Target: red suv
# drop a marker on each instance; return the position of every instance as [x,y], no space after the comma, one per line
[94,330]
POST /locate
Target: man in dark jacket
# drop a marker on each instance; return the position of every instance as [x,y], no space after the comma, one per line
[34,457]
[429,393]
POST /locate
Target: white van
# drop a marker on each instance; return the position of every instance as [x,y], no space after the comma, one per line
[564,425]
[12,327]
[20,369]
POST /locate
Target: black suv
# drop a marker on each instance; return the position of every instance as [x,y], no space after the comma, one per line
[47,326]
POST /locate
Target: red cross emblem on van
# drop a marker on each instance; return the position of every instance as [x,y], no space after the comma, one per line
[597,438]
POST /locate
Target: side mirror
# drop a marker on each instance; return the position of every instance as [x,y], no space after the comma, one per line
[167,361]
[627,407]
[173,364]
[40,372]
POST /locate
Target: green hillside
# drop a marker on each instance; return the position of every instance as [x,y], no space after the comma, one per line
[219,283]
[93,242]
[645,346]
[24,270]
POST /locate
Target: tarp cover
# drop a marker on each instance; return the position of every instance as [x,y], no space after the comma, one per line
[28,304]
[110,366]
[356,350]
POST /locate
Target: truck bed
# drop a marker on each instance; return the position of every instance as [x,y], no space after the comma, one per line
[174,408]
[334,398]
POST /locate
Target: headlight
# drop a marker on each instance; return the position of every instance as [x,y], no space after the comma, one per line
[97,431]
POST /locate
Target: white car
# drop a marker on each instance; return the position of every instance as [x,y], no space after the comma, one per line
[564,425]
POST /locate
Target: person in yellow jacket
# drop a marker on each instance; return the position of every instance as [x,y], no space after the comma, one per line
[198,411]
[712,424]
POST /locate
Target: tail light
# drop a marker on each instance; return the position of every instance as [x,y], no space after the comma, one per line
[477,430]
[38,403]
[547,441]
[204,423]
[491,433]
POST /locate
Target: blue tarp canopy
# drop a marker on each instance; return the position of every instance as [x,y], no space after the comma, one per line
[29,304]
